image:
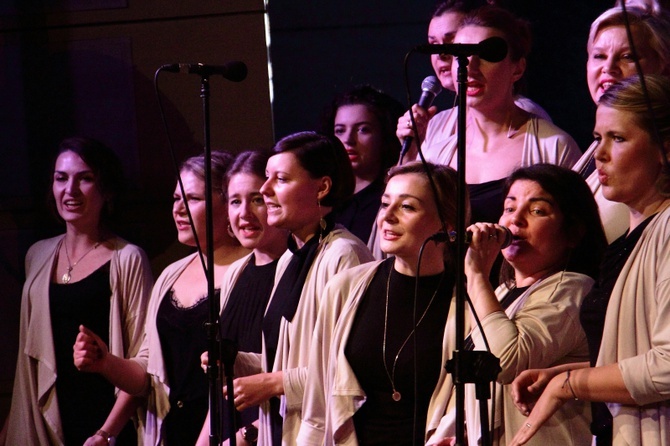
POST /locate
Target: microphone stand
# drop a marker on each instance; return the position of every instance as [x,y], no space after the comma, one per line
[466,366]
[212,326]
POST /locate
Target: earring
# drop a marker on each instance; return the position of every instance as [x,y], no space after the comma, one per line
[322,222]
[230,231]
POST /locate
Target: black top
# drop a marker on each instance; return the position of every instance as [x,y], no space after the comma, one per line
[284,304]
[486,201]
[592,315]
[381,420]
[84,399]
[242,321]
[242,318]
[183,339]
[359,213]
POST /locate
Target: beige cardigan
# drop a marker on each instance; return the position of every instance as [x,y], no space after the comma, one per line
[637,337]
[338,251]
[34,419]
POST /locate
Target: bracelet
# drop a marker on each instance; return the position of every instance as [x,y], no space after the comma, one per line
[567,382]
[106,435]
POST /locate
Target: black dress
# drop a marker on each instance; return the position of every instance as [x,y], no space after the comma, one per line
[359,213]
[242,322]
[383,420]
[84,399]
[183,338]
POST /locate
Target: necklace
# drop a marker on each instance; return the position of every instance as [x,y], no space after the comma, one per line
[70,266]
[396,395]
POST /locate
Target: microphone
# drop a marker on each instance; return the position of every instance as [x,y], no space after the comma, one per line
[440,237]
[493,49]
[430,87]
[235,71]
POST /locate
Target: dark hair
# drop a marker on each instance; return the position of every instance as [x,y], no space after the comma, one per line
[446,183]
[629,96]
[580,216]
[516,31]
[322,156]
[221,161]
[252,162]
[386,110]
[105,165]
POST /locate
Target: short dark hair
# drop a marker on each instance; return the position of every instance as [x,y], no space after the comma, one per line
[105,165]
[322,156]
[385,108]
[580,216]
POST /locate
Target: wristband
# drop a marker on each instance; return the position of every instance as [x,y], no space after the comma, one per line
[106,435]
[567,382]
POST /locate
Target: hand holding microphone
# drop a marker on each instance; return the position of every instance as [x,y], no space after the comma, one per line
[486,241]
[422,112]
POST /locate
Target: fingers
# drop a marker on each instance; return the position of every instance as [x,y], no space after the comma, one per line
[204,361]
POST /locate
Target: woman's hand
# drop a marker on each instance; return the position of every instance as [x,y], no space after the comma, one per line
[553,397]
[527,387]
[252,390]
[421,117]
[90,351]
[487,238]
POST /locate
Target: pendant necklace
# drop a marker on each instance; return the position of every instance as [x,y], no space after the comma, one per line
[396,395]
[70,266]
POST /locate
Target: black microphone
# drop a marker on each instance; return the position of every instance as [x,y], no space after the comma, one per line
[235,71]
[453,236]
[493,49]
[430,87]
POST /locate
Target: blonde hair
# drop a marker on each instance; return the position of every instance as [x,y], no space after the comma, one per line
[629,96]
[654,27]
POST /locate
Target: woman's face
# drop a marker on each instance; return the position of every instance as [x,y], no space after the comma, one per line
[610,59]
[248,214]
[539,245]
[442,30]
[76,191]
[292,195]
[407,216]
[490,85]
[360,132]
[194,189]
[628,162]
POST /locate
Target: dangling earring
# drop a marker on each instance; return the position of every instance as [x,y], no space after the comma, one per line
[322,222]
[230,231]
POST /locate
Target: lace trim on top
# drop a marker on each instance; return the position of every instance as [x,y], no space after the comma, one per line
[177,304]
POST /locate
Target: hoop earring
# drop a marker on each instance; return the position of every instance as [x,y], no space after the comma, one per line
[322,222]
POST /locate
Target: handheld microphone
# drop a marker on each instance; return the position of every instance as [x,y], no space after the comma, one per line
[430,87]
[493,49]
[235,71]
[441,237]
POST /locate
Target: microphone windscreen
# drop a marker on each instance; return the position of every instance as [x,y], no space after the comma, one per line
[493,49]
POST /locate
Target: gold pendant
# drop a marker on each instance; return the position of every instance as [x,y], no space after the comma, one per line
[396,395]
[67,277]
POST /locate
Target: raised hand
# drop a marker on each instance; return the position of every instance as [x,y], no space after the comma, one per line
[89,351]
